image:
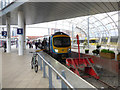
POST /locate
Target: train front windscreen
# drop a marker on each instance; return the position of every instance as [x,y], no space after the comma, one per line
[61,41]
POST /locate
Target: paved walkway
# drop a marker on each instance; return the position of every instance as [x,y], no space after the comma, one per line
[17,73]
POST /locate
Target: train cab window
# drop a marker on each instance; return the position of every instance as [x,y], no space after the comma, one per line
[94,41]
[81,41]
[61,41]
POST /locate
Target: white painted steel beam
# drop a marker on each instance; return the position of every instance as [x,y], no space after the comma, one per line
[24,36]
[118,48]
[21,37]
[8,33]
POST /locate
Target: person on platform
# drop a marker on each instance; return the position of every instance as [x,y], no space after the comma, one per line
[36,45]
[29,44]
[17,43]
[4,46]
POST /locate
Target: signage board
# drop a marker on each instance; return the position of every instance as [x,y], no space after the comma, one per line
[4,33]
[20,31]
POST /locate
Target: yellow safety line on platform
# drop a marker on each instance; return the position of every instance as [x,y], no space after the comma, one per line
[39,50]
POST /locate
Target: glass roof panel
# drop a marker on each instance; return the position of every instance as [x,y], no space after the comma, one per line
[104,23]
[115,17]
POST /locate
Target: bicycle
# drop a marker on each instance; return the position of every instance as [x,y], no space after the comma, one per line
[34,62]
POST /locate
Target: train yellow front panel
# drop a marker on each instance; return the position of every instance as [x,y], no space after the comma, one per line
[62,50]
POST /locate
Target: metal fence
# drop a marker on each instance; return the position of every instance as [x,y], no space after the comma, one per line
[64,83]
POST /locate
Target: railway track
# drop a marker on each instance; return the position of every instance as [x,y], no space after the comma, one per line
[109,86]
[98,83]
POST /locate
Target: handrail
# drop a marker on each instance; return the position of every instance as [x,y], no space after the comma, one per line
[62,78]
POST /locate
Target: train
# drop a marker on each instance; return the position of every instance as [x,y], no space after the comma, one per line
[57,45]
[113,40]
[92,41]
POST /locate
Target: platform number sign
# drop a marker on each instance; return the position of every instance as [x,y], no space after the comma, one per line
[20,31]
[4,33]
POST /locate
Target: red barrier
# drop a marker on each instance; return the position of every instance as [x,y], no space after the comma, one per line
[85,64]
[78,45]
[77,65]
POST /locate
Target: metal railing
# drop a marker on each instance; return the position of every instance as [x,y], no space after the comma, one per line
[64,82]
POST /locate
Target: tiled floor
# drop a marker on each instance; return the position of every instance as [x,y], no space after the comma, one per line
[17,73]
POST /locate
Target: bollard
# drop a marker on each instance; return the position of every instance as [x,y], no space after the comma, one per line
[50,76]
[41,64]
[40,61]
[44,71]
[64,87]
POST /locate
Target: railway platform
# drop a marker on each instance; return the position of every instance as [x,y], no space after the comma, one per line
[53,26]
[17,72]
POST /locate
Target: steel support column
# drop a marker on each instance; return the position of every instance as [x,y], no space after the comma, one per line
[88,32]
[72,34]
[24,36]
[8,33]
[118,48]
[100,39]
[48,31]
[108,42]
[20,40]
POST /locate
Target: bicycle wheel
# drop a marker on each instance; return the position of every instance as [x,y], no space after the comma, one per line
[32,63]
[36,66]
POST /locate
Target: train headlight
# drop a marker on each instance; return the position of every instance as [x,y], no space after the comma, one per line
[56,50]
[69,50]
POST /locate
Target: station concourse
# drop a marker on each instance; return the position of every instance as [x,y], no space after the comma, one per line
[97,27]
